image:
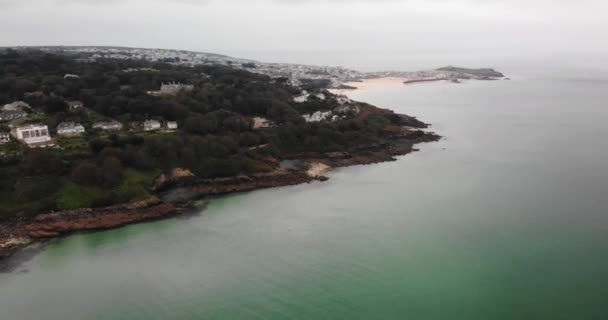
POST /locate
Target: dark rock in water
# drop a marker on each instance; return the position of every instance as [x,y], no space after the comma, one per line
[346,87]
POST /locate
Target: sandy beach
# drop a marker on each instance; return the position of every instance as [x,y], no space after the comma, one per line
[370,84]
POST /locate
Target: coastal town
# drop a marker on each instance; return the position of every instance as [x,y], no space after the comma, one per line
[332,77]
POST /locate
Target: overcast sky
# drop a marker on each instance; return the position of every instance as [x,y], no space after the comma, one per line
[266,27]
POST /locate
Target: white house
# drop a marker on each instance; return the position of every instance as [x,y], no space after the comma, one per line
[4,138]
[34,135]
[260,123]
[172,125]
[111,125]
[151,125]
[70,129]
[303,97]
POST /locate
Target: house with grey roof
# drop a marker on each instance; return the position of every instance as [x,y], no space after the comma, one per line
[172,125]
[70,129]
[151,125]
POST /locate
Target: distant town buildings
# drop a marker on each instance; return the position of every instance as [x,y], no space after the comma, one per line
[34,135]
[151,125]
[294,73]
[110,125]
[70,129]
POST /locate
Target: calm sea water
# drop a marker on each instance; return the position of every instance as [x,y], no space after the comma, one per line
[506,218]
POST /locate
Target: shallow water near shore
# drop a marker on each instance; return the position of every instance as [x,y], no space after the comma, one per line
[505,218]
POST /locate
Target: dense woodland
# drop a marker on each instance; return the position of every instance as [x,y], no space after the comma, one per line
[215,136]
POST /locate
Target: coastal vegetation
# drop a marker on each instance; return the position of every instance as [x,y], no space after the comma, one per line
[216,136]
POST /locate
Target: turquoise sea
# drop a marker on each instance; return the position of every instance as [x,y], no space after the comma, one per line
[505,218]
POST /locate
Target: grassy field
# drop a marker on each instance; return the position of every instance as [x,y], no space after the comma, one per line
[74,146]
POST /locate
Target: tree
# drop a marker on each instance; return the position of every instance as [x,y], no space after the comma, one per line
[111,171]
[85,174]
[55,104]
[201,124]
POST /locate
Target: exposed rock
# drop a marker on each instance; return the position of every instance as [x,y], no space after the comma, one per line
[64,222]
[317,169]
[176,174]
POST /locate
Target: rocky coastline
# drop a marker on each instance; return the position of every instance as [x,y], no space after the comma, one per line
[22,232]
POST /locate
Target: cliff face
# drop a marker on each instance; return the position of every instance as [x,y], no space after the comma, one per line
[60,223]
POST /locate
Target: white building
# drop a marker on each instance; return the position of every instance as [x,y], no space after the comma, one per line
[318,116]
[111,125]
[303,97]
[70,129]
[172,125]
[4,138]
[260,123]
[34,135]
[151,125]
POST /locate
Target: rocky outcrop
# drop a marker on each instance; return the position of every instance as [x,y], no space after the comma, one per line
[247,183]
[65,222]
[482,73]
[398,143]
[166,179]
